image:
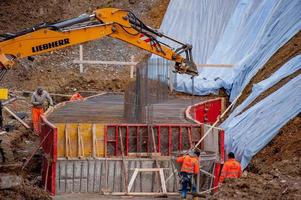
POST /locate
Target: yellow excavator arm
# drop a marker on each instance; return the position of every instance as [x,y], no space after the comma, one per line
[112,22]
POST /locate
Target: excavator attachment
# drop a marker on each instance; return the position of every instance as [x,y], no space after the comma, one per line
[112,22]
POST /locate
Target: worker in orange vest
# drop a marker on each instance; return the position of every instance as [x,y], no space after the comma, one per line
[76,96]
[231,168]
[38,99]
[190,166]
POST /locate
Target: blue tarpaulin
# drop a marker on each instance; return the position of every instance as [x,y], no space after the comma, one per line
[243,33]
[249,132]
[246,34]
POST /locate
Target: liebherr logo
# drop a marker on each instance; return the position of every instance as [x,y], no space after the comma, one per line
[50,45]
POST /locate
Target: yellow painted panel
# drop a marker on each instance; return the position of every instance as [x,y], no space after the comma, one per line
[100,147]
[61,147]
[81,146]
[73,137]
[3,93]
[86,139]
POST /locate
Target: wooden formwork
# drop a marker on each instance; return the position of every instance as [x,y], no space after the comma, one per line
[96,146]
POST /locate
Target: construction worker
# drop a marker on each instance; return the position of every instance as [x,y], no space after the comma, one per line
[76,96]
[38,100]
[190,166]
[231,168]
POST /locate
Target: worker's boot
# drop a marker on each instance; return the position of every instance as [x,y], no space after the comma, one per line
[195,198]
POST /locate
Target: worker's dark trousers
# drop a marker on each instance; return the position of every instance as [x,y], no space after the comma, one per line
[186,181]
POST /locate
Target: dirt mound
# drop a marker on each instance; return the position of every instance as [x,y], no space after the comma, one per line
[24,192]
[274,173]
[284,147]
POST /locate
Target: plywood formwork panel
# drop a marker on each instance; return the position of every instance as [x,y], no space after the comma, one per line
[80,140]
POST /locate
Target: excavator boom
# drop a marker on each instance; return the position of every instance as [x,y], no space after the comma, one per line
[112,22]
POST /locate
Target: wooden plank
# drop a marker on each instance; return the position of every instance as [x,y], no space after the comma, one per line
[16,117]
[82,146]
[81,58]
[132,179]
[163,184]
[132,67]
[155,149]
[10,101]
[51,94]
[78,142]
[94,142]
[154,140]
[149,169]
[100,62]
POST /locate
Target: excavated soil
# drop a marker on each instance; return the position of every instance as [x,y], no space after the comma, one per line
[56,70]
[23,143]
[274,173]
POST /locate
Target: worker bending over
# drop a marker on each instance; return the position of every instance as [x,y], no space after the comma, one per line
[190,166]
[231,168]
[38,100]
[76,97]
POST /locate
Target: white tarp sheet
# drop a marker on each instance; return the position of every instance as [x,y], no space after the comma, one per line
[245,127]
[249,132]
[287,69]
[245,33]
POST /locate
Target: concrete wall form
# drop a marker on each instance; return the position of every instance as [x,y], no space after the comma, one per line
[106,175]
[65,174]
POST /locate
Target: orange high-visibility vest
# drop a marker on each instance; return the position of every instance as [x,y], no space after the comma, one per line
[76,96]
[231,169]
[189,164]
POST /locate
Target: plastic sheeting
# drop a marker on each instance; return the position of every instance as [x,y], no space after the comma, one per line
[245,33]
[200,23]
[289,68]
[248,133]
[284,22]
[240,32]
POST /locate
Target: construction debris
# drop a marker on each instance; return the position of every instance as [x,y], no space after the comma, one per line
[8,181]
